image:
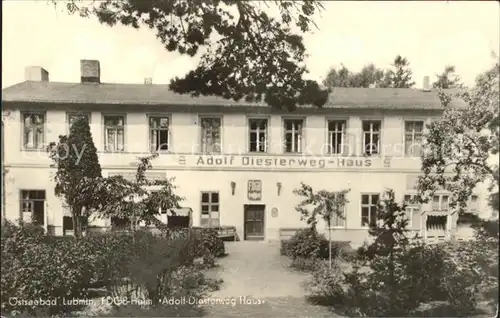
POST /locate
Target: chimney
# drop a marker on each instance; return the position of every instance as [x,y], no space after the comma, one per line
[148,81]
[427,86]
[90,71]
[36,73]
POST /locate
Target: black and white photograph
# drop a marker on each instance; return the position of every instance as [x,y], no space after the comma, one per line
[232,158]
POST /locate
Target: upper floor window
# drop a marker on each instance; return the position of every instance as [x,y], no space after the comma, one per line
[440,203]
[258,135]
[211,135]
[413,138]
[371,137]
[369,209]
[209,209]
[336,136]
[73,117]
[114,130]
[158,133]
[33,130]
[293,135]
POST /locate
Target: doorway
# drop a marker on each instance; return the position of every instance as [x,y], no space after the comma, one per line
[254,221]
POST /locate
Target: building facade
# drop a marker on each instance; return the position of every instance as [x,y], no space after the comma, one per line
[236,164]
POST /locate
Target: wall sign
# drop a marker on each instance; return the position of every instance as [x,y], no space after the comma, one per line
[254,190]
[274,212]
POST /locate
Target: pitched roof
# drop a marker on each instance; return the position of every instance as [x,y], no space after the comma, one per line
[153,94]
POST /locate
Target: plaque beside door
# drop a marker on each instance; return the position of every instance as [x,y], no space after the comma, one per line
[254,190]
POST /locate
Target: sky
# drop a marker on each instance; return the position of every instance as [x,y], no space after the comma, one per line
[430,34]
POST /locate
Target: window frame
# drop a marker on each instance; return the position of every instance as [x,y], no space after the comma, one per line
[369,205]
[440,204]
[250,131]
[344,219]
[22,200]
[124,131]
[379,133]
[469,204]
[413,134]
[70,114]
[168,129]
[201,132]
[23,129]
[412,206]
[284,133]
[344,137]
[210,211]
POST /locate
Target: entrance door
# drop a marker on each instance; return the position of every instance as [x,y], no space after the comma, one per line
[254,221]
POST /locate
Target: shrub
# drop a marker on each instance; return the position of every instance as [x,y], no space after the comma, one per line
[307,243]
[209,241]
[35,266]
[305,264]
[327,285]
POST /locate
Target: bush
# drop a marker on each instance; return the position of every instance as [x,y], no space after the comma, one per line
[142,265]
[327,285]
[35,266]
[209,241]
[305,264]
[306,243]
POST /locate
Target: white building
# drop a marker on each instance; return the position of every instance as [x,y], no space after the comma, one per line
[236,164]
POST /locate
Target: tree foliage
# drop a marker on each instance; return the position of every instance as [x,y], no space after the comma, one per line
[461,145]
[323,203]
[138,200]
[401,74]
[447,79]
[78,171]
[369,76]
[248,54]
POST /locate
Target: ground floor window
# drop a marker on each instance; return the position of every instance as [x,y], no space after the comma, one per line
[210,209]
[413,207]
[338,221]
[32,206]
[369,208]
[120,223]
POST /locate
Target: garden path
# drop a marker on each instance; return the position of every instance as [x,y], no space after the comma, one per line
[259,282]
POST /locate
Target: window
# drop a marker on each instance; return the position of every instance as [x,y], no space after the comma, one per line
[473,203]
[371,137]
[209,209]
[412,206]
[258,135]
[369,208]
[33,206]
[68,221]
[440,203]
[413,138]
[162,209]
[72,117]
[33,130]
[293,135]
[210,135]
[338,221]
[120,223]
[336,136]
[114,127]
[158,133]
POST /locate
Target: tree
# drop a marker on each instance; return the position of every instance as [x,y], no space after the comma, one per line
[368,76]
[134,200]
[401,76]
[324,203]
[447,79]
[249,55]
[78,171]
[460,145]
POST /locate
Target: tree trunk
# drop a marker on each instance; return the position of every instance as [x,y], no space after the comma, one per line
[77,224]
[329,244]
